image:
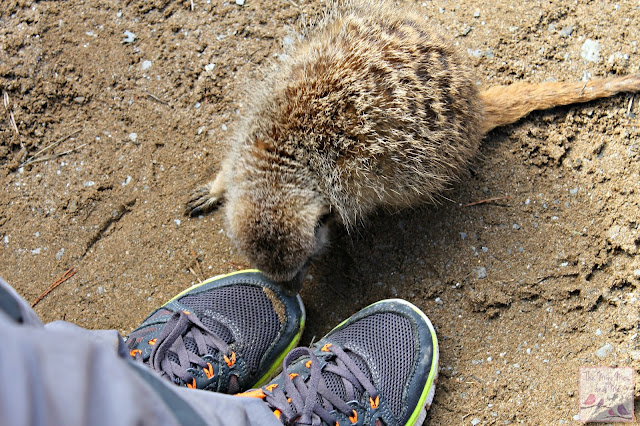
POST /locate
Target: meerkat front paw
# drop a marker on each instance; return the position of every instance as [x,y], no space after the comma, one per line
[203,200]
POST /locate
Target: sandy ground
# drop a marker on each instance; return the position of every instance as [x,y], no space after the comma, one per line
[523,290]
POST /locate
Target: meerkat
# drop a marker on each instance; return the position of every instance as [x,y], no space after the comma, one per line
[374,108]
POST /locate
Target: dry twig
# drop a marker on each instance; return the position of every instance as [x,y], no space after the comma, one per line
[487,200]
[51,157]
[194,267]
[155,98]
[62,278]
[12,118]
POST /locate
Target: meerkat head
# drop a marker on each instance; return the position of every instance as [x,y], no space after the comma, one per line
[279,227]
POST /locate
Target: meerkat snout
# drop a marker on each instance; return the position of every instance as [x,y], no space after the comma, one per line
[279,229]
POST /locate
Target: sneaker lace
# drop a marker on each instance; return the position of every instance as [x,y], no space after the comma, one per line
[184,324]
[309,401]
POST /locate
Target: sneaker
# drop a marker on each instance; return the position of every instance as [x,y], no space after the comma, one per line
[227,334]
[378,367]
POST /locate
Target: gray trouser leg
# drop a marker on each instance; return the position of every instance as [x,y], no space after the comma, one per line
[61,374]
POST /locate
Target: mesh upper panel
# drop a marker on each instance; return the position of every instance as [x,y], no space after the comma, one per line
[388,342]
[248,308]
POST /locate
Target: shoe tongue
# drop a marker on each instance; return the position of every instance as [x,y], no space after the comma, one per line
[335,383]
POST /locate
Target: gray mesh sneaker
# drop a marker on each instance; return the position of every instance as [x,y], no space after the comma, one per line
[378,367]
[227,334]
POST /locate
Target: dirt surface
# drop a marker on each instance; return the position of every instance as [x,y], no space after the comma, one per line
[523,290]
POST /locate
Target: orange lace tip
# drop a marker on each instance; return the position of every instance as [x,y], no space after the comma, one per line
[230,360]
[152,341]
[192,385]
[375,403]
[308,364]
[326,347]
[187,312]
[271,387]
[254,393]
[134,352]
[292,375]
[354,418]
[277,413]
[208,371]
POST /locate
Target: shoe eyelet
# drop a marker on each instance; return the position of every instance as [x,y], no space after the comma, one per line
[271,387]
[354,418]
[374,403]
[230,360]
[208,371]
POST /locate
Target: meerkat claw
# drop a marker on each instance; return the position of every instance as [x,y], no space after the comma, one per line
[202,201]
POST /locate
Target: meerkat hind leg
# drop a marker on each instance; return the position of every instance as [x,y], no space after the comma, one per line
[207,197]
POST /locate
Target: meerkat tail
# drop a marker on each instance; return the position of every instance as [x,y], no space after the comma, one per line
[507,104]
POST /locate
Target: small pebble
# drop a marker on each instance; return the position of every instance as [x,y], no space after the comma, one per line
[591,51]
[465,31]
[439,301]
[516,226]
[88,183]
[209,67]
[146,65]
[479,53]
[475,421]
[177,222]
[463,235]
[240,2]
[566,31]
[476,14]
[604,351]
[636,273]
[129,37]
[598,332]
[79,99]
[60,253]
[574,191]
[482,272]
[224,127]
[133,137]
